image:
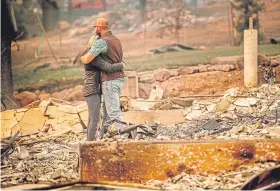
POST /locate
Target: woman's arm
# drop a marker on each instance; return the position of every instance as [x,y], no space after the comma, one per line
[106,66]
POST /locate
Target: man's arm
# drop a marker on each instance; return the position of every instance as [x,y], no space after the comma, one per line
[99,46]
[106,66]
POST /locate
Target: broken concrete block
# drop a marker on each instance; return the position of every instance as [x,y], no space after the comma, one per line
[246,102]
[275,132]
[166,106]
[8,121]
[211,107]
[182,102]
[156,93]
[32,121]
[194,114]
[23,153]
[222,106]
[56,174]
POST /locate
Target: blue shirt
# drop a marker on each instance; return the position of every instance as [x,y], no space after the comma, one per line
[98,47]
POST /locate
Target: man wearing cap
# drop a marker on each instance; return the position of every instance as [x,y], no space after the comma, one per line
[110,49]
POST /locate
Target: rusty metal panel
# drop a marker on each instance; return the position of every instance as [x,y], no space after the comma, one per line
[140,161]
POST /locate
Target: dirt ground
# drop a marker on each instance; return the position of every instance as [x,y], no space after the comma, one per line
[209,35]
[212,83]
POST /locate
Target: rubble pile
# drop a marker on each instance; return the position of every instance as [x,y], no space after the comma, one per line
[42,159]
[254,114]
[46,151]
[227,181]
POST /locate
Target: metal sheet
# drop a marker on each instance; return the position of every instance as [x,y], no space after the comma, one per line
[140,161]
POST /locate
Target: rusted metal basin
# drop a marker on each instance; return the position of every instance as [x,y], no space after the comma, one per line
[140,161]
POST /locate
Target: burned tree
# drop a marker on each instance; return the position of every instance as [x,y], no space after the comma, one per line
[50,13]
[7,35]
[173,21]
[246,9]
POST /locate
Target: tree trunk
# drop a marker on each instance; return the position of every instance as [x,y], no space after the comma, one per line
[7,33]
[50,15]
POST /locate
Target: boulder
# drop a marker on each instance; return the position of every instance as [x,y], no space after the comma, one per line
[144,90]
[263,60]
[162,74]
[60,95]
[44,96]
[148,78]
[188,70]
[37,92]
[174,72]
[203,68]
[222,68]
[141,74]
[274,63]
[76,94]
[224,60]
[26,97]
[173,86]
[239,63]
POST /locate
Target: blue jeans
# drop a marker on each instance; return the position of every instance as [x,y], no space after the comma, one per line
[111,91]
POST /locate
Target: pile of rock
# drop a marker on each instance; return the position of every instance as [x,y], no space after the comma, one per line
[48,151]
[251,115]
[41,159]
[25,98]
[169,80]
[221,181]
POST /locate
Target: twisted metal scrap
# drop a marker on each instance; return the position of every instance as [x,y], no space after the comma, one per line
[135,131]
